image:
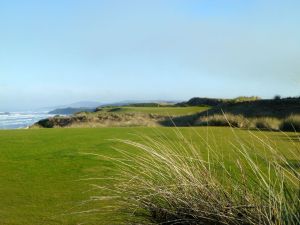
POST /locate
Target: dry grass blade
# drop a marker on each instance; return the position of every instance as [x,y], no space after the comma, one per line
[174,182]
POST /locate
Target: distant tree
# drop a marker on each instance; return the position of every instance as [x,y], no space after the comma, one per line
[277,97]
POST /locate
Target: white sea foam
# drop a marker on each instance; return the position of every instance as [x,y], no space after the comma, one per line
[15,120]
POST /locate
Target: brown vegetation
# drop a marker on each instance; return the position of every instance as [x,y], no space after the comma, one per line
[292,123]
[105,119]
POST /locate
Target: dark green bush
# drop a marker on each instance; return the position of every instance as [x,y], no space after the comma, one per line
[46,123]
[292,123]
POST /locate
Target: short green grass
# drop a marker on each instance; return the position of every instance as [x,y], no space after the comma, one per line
[165,111]
[42,172]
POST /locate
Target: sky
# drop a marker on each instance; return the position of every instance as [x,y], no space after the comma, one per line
[62,51]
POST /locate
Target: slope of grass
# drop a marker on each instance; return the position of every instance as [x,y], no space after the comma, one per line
[120,117]
[43,172]
[164,111]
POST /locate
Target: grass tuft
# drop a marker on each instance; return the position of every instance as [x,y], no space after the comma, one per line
[175,182]
[224,120]
[291,123]
[267,123]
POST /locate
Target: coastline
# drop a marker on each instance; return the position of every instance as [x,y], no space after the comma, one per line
[21,120]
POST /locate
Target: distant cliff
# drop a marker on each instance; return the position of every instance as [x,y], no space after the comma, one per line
[69,111]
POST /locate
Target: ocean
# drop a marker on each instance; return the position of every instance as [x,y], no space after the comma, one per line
[17,120]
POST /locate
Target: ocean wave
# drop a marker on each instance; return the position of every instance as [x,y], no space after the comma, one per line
[15,120]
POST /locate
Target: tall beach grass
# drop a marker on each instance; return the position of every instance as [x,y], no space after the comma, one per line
[291,123]
[177,182]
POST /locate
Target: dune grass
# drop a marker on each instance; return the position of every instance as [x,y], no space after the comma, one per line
[291,123]
[46,175]
[175,182]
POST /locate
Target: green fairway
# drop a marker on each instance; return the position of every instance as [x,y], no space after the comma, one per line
[42,171]
[164,111]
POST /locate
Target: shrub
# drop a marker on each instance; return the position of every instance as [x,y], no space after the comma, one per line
[224,120]
[267,123]
[46,123]
[292,123]
[277,97]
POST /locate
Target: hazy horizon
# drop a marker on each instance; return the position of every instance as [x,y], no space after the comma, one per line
[64,51]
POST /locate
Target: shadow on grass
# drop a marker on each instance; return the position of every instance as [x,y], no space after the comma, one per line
[180,121]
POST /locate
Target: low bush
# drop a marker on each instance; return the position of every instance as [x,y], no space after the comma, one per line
[292,123]
[47,123]
[266,123]
[224,120]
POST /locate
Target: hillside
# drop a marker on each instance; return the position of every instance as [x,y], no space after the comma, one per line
[120,116]
[158,110]
[242,108]
[262,108]
[279,114]
[197,101]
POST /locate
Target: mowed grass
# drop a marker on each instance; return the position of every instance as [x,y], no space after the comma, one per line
[164,111]
[43,173]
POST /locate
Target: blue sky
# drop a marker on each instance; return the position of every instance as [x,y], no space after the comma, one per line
[62,51]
